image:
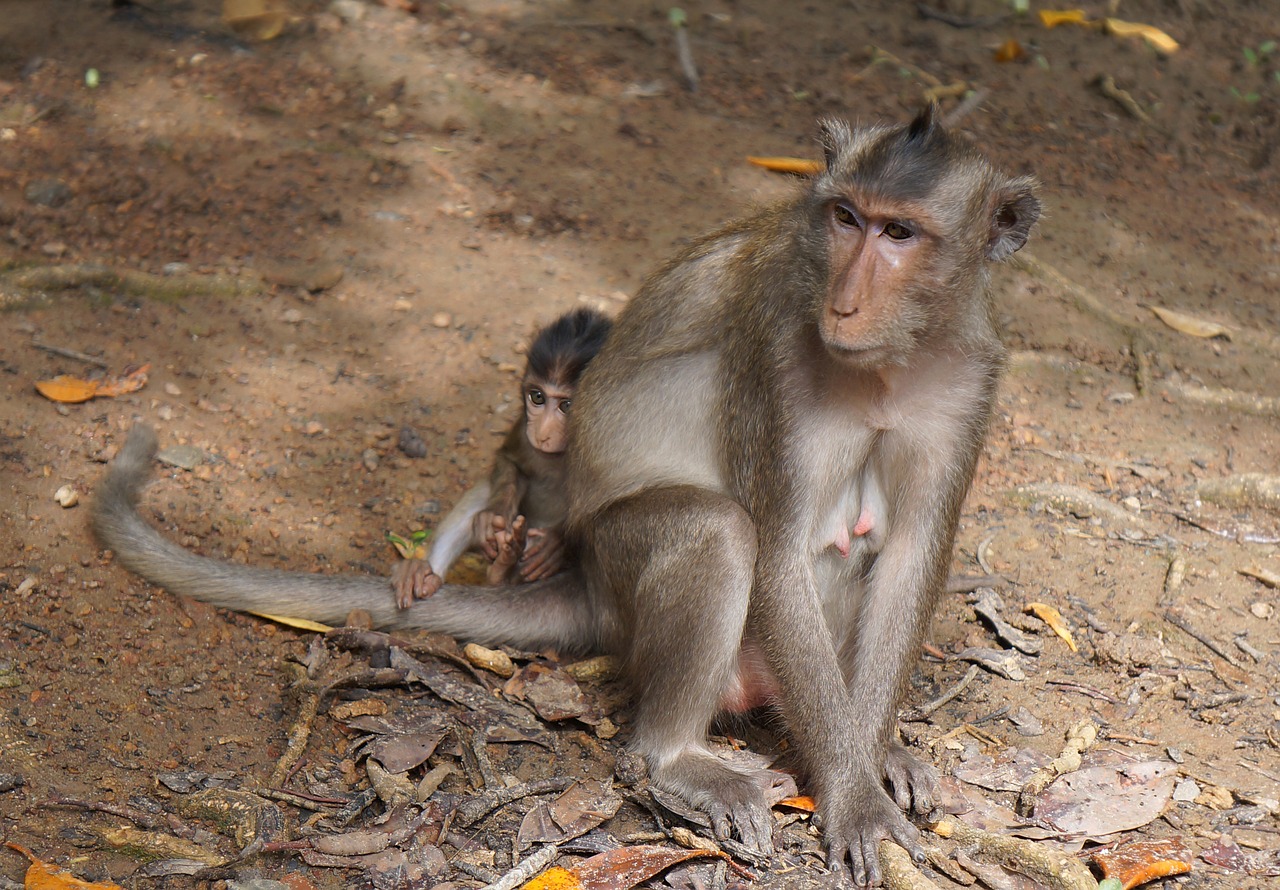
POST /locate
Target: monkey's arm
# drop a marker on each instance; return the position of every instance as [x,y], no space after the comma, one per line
[415,579]
[506,488]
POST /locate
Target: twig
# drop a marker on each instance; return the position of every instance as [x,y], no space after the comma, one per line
[684,52]
[1243,490]
[1271,579]
[1181,622]
[1081,297]
[1141,364]
[1249,403]
[1107,86]
[474,809]
[70,353]
[137,817]
[1084,690]
[299,734]
[1079,739]
[967,107]
[1049,866]
[1241,536]
[883,55]
[961,21]
[920,713]
[900,873]
[981,552]
[526,870]
[1176,574]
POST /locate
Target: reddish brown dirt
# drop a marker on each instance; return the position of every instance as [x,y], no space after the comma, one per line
[477,168]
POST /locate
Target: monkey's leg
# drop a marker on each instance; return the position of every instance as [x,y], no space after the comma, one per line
[681,562]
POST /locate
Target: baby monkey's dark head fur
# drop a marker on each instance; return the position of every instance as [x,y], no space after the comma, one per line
[561,351]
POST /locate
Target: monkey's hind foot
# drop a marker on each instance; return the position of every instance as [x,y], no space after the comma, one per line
[733,799]
[913,783]
[413,579]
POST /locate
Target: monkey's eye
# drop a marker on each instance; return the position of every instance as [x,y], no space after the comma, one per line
[537,397]
[845,216]
[564,405]
[897,231]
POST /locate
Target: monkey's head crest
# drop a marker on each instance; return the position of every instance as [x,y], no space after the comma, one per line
[840,141]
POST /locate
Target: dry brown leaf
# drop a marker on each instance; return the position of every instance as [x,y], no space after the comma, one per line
[619,869]
[798,166]
[45,876]
[1010,51]
[1052,617]
[259,19]
[800,802]
[1190,325]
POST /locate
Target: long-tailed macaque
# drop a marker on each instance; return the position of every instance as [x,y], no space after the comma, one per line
[516,516]
[825,365]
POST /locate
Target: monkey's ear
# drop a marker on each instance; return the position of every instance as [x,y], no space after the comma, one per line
[833,136]
[1015,211]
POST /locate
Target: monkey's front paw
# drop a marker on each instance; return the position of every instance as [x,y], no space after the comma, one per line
[413,579]
[855,824]
[914,783]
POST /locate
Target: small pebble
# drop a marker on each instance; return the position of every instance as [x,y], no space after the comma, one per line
[370,460]
[1262,610]
[441,320]
[67,496]
[291,316]
[411,444]
[172,389]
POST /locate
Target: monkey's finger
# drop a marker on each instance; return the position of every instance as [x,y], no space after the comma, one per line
[720,825]
[907,836]
[867,872]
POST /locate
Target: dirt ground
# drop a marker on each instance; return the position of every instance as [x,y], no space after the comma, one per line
[473,169]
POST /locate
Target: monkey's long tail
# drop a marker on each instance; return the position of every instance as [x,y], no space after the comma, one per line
[554,612]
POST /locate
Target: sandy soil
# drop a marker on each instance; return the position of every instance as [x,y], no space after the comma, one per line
[474,169]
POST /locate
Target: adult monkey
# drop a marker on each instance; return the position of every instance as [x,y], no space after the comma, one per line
[827,364]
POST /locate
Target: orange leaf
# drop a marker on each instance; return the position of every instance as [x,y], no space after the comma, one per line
[1052,617]
[554,878]
[1010,51]
[65,388]
[1138,862]
[798,166]
[43,876]
[1051,18]
[802,802]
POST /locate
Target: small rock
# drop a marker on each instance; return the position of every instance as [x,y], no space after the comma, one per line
[172,389]
[176,268]
[370,460]
[441,320]
[313,428]
[1027,723]
[1186,791]
[67,496]
[48,192]
[348,10]
[401,305]
[184,457]
[291,316]
[411,444]
[1133,504]
[53,249]
[1262,610]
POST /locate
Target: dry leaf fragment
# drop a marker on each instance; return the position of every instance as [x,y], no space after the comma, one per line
[71,390]
[46,876]
[259,19]
[1052,617]
[299,623]
[1138,862]
[800,802]
[1157,39]
[798,166]
[619,869]
[1052,18]
[1010,51]
[1190,325]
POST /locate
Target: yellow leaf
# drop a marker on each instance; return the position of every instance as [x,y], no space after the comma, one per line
[555,878]
[798,166]
[299,623]
[45,876]
[65,388]
[259,19]
[802,802]
[1152,35]
[1052,617]
[1052,18]
[1189,324]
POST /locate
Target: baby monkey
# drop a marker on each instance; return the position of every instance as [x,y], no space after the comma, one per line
[515,516]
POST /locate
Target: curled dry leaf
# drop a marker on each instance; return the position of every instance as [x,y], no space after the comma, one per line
[1138,862]
[1190,325]
[1052,617]
[1052,18]
[797,166]
[618,869]
[71,390]
[46,876]
[1156,38]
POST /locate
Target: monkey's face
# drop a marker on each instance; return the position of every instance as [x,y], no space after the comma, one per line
[878,252]
[546,410]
